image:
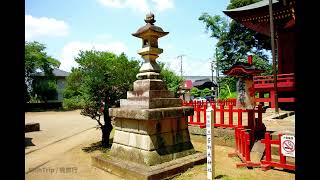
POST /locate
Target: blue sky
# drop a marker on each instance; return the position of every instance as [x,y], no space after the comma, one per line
[66,27]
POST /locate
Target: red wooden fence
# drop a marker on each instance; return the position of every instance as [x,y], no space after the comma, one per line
[267,163]
[243,146]
[220,107]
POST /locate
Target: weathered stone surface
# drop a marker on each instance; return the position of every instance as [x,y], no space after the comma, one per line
[150,158]
[144,142]
[30,127]
[148,84]
[150,94]
[145,103]
[148,127]
[151,114]
[257,151]
[130,125]
[129,170]
[121,137]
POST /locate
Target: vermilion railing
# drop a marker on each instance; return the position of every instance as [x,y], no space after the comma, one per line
[283,80]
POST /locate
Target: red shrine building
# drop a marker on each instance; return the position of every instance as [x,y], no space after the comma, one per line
[256,17]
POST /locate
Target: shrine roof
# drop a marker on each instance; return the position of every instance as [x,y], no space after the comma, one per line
[256,16]
[241,68]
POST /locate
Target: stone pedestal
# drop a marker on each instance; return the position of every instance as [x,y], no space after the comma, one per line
[151,127]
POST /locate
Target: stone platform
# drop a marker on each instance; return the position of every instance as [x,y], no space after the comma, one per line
[132,171]
[30,127]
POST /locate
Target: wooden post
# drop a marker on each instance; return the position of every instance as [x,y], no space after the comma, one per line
[210,144]
[275,97]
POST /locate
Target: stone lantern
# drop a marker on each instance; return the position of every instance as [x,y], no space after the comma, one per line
[150,51]
[245,88]
[151,126]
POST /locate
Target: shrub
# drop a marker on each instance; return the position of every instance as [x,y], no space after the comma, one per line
[72,103]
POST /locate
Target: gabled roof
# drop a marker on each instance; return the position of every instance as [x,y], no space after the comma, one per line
[56,72]
[203,81]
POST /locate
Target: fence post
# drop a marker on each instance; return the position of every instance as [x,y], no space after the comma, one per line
[214,107]
[282,157]
[230,115]
[221,114]
[247,153]
[198,112]
[251,119]
[239,117]
[205,112]
[268,146]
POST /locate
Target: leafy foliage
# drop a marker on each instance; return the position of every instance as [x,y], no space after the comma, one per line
[36,59]
[206,92]
[234,40]
[173,81]
[195,92]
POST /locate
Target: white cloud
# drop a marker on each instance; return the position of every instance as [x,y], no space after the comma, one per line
[113,3]
[43,26]
[139,5]
[72,49]
[162,5]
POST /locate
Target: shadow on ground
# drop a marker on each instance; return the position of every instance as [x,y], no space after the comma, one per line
[28,142]
[97,146]
[220,176]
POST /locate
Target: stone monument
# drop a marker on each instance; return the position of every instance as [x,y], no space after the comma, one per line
[151,139]
[151,127]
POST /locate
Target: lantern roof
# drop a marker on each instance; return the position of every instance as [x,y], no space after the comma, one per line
[150,27]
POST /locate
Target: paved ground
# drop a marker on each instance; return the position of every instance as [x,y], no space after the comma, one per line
[55,152]
[55,126]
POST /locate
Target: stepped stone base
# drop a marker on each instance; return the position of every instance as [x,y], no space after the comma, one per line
[151,127]
[134,171]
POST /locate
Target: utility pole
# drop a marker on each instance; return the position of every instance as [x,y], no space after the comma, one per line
[211,61]
[273,58]
[217,73]
[180,56]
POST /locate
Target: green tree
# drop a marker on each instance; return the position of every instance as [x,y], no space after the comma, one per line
[72,94]
[205,92]
[100,81]
[173,81]
[235,41]
[195,92]
[36,59]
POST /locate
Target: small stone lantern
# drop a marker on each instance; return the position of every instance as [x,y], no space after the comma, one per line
[150,51]
[245,88]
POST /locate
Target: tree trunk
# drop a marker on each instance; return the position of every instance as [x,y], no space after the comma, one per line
[107,127]
[105,135]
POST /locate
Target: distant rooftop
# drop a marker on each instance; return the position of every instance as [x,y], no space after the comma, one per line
[56,72]
[195,78]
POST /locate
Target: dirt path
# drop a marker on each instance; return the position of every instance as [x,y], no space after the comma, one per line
[67,160]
